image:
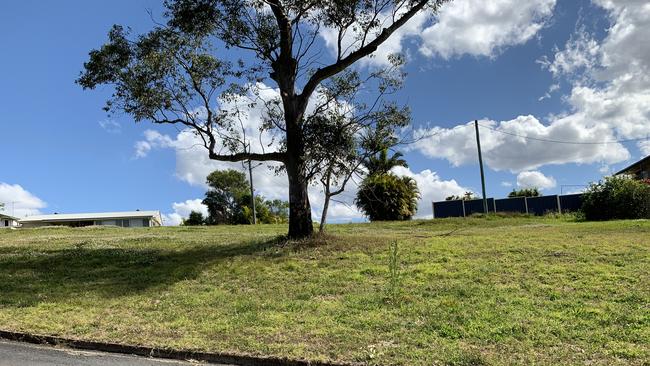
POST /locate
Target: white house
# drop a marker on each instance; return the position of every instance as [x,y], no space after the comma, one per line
[7,222]
[121,219]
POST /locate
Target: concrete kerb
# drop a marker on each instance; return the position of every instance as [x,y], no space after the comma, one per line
[219,358]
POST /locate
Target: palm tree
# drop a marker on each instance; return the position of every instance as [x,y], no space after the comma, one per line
[382,164]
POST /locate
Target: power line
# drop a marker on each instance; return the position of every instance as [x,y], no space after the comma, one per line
[441,131]
[564,142]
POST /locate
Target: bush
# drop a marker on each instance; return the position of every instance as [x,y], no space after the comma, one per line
[195,219]
[526,192]
[387,197]
[616,198]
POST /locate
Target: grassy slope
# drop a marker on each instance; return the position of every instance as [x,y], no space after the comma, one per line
[476,291]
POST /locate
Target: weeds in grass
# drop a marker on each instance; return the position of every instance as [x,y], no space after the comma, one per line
[394,274]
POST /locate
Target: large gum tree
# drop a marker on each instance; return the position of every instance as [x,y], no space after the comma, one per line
[209,53]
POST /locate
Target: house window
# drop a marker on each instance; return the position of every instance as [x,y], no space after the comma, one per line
[6,222]
[145,222]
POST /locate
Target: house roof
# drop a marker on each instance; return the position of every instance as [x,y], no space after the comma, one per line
[8,217]
[93,216]
[622,171]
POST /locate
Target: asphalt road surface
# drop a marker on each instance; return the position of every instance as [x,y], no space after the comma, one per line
[25,354]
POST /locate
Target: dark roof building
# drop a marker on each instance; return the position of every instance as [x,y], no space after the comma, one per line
[638,170]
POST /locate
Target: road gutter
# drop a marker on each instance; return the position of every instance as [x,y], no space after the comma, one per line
[163,353]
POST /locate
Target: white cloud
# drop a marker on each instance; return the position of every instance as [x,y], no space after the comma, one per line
[609,100]
[393,45]
[535,179]
[506,184]
[504,148]
[110,126]
[610,78]
[472,27]
[18,201]
[484,28]
[579,54]
[432,188]
[644,147]
[182,210]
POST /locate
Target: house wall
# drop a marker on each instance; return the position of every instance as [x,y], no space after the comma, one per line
[127,222]
[644,171]
[7,223]
[639,171]
[120,222]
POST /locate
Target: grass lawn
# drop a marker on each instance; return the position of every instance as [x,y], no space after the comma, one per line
[498,291]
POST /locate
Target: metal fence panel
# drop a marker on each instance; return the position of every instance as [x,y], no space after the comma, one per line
[448,209]
[515,204]
[476,206]
[542,205]
[571,202]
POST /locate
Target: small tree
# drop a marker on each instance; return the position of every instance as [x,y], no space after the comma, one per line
[525,192]
[387,197]
[195,219]
[617,197]
[228,194]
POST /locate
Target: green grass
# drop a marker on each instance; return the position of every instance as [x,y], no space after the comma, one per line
[495,291]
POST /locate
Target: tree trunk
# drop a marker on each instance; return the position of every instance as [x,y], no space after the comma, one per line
[300,224]
[326,204]
[284,73]
[323,217]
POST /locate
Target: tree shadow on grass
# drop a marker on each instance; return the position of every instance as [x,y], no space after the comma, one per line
[28,276]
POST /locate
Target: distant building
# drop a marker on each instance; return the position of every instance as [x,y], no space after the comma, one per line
[121,219]
[7,222]
[638,170]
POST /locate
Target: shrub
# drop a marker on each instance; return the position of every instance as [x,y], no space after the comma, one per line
[195,219]
[526,192]
[387,197]
[616,197]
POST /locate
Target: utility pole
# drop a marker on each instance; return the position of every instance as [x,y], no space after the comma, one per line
[480,162]
[250,175]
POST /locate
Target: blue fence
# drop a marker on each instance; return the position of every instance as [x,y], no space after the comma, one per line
[525,205]
[476,206]
[543,204]
[448,209]
[571,202]
[516,204]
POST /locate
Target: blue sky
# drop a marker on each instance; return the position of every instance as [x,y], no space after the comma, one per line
[63,154]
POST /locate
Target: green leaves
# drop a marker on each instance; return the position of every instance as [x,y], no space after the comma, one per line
[526,192]
[106,64]
[617,197]
[379,164]
[229,201]
[387,197]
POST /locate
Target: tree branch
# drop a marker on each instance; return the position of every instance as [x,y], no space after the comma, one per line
[333,69]
[274,156]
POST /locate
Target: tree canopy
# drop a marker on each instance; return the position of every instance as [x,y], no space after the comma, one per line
[194,219]
[229,201]
[382,195]
[525,192]
[190,71]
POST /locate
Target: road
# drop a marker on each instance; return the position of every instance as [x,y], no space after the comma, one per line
[25,354]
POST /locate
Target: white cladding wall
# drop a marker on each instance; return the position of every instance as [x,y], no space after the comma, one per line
[125,222]
[6,223]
